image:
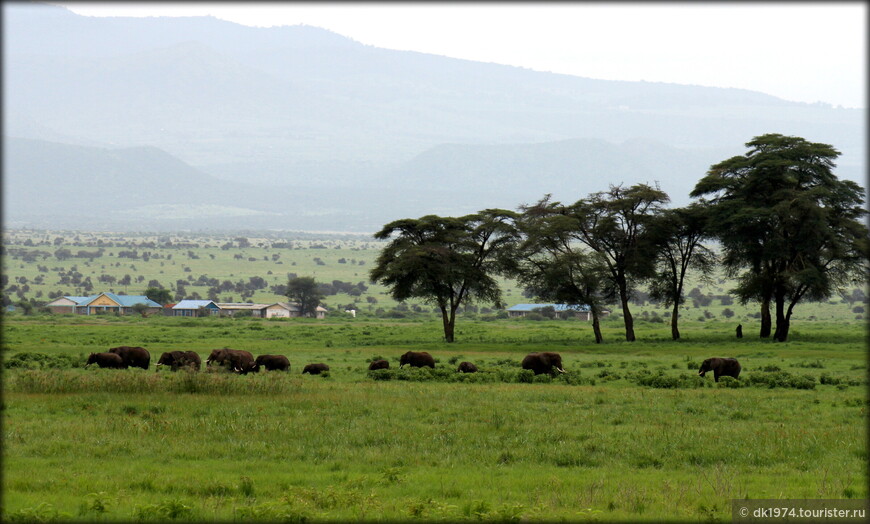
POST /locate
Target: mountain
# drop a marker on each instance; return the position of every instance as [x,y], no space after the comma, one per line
[362,134]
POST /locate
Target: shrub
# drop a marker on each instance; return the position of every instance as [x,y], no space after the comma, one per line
[828,379]
[782,379]
[662,381]
[729,382]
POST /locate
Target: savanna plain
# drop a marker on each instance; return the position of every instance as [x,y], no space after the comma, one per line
[630,432]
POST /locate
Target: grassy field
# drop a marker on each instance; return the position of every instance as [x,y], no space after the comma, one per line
[629,433]
[34,271]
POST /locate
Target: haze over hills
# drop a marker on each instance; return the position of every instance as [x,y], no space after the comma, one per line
[300,128]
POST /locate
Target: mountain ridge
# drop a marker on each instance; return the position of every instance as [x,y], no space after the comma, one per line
[361,131]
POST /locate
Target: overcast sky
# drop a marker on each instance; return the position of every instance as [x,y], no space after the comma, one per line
[807,51]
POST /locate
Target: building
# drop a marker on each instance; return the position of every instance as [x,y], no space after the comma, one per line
[103,303]
[64,304]
[275,310]
[581,312]
[191,308]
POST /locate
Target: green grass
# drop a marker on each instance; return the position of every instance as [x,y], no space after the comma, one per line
[629,433]
[347,258]
[132,445]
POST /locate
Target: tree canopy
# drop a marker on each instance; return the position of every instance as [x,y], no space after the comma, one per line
[789,228]
[305,292]
[446,261]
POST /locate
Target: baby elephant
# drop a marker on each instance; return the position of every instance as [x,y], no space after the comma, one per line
[106,360]
[272,363]
[728,367]
[379,364]
[466,367]
[315,369]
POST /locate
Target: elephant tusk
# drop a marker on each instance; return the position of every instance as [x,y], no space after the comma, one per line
[561,370]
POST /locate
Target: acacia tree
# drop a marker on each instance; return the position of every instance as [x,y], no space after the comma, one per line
[446,261]
[786,221]
[680,233]
[159,295]
[305,292]
[553,265]
[618,225]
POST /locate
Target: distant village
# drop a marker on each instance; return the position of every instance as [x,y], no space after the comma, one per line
[113,304]
[110,303]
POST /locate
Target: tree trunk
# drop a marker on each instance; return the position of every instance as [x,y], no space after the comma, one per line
[765,318]
[596,327]
[782,321]
[629,320]
[675,316]
[448,319]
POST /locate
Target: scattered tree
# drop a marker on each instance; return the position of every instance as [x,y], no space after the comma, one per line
[305,292]
[446,261]
[789,228]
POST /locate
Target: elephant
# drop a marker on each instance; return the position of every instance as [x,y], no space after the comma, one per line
[178,359]
[192,359]
[272,363]
[135,357]
[237,360]
[728,367]
[466,367]
[106,360]
[315,369]
[543,362]
[417,359]
[739,330]
[379,364]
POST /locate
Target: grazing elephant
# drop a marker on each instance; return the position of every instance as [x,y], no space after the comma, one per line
[315,369]
[134,357]
[106,360]
[272,363]
[191,358]
[237,360]
[543,362]
[739,330]
[178,359]
[379,364]
[728,367]
[466,367]
[417,359]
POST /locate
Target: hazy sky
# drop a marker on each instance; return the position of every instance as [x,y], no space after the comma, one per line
[807,52]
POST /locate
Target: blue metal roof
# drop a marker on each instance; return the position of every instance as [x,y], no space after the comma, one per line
[123,300]
[557,307]
[77,300]
[195,304]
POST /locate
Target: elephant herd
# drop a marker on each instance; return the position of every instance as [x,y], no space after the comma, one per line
[243,362]
[545,362]
[239,361]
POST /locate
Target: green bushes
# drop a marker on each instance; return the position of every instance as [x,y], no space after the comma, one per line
[662,381]
[484,376]
[781,379]
[32,360]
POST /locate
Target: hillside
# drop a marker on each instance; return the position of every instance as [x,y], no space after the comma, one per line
[354,128]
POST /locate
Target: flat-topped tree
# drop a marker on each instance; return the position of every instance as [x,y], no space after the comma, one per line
[789,228]
[618,224]
[446,261]
[554,265]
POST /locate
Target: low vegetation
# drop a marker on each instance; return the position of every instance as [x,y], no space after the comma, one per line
[630,432]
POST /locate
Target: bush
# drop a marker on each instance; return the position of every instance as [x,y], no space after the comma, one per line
[662,381]
[44,361]
[782,379]
[729,382]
